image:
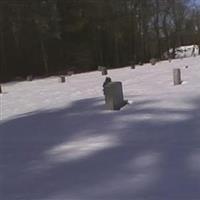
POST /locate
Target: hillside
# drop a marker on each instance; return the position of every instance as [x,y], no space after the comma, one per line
[59,143]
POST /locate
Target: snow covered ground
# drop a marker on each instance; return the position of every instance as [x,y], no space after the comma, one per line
[57,141]
[186,51]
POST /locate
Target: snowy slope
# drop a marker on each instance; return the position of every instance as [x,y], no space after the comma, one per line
[59,143]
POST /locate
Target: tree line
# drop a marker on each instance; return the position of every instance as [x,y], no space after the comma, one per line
[43,37]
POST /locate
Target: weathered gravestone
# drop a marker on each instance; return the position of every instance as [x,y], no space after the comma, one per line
[29,78]
[104,71]
[70,73]
[100,68]
[62,79]
[114,96]
[132,64]
[153,61]
[177,76]
[141,63]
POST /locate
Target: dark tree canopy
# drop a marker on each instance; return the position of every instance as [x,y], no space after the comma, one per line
[43,37]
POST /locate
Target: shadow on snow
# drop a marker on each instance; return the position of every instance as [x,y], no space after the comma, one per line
[83,152]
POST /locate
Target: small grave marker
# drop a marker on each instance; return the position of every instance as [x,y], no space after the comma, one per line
[104,71]
[177,76]
[153,61]
[132,63]
[29,78]
[132,66]
[70,73]
[62,79]
[140,63]
[100,68]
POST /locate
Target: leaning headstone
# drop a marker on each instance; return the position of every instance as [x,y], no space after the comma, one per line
[62,79]
[177,76]
[104,71]
[29,78]
[114,96]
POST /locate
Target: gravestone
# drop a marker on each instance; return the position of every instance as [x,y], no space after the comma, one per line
[29,78]
[132,64]
[177,76]
[114,96]
[62,79]
[100,68]
[104,71]
[153,61]
[70,73]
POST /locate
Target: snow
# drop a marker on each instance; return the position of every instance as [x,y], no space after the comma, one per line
[186,51]
[58,142]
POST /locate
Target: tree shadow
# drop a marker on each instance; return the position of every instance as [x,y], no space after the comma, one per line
[85,152]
